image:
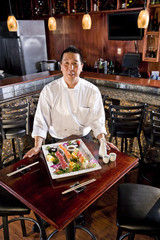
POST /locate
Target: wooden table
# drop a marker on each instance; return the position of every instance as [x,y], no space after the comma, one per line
[44,196]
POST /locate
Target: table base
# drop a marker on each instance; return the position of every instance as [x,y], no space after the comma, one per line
[70,231]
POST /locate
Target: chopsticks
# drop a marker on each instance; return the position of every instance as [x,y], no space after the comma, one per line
[79,185]
[21,169]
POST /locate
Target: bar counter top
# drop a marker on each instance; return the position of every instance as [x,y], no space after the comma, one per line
[99,76]
[17,87]
[122,79]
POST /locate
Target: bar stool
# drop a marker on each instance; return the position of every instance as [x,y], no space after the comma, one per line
[11,206]
[152,136]
[14,123]
[106,102]
[126,122]
[138,211]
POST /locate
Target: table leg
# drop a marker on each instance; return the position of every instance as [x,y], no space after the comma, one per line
[70,231]
[39,220]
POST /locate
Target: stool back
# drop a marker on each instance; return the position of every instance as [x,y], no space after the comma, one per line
[126,121]
[14,117]
[155,129]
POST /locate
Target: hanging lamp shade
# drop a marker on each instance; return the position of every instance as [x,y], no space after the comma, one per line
[143,19]
[12,23]
[52,24]
[86,21]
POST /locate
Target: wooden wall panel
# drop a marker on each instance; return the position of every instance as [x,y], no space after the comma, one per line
[55,40]
[93,43]
[89,41]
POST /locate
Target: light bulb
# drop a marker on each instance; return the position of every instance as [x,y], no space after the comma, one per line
[12,23]
[52,24]
[86,21]
[143,19]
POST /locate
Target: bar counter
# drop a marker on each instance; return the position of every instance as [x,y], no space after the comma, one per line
[114,86]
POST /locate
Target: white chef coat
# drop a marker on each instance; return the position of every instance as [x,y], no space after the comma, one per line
[67,111]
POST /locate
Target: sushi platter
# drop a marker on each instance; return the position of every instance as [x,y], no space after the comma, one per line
[69,158]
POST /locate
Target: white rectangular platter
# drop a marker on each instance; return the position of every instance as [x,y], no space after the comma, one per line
[82,148]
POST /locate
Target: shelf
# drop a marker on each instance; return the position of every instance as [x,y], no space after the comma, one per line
[154,6]
[147,59]
[151,44]
[154,33]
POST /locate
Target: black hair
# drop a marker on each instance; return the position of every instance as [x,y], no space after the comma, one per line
[72,49]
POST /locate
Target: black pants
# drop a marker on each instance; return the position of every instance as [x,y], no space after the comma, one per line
[88,137]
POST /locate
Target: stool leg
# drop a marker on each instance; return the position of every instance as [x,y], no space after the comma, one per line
[1,144]
[19,149]
[110,138]
[5,228]
[119,233]
[116,141]
[140,148]
[23,227]
[122,144]
[131,236]
[14,149]
[126,145]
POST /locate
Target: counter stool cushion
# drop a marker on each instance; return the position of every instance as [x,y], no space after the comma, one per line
[15,132]
[138,209]
[9,205]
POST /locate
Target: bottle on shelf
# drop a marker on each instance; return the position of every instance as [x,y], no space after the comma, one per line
[151,24]
[111,69]
[95,6]
[123,4]
[105,67]
[101,65]
[155,23]
[152,2]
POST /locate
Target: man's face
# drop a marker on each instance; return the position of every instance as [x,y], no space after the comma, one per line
[71,66]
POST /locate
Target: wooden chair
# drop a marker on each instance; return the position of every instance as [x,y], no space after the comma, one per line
[138,211]
[11,206]
[14,123]
[126,122]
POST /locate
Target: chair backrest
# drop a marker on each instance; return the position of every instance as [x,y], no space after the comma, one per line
[126,121]
[155,128]
[14,117]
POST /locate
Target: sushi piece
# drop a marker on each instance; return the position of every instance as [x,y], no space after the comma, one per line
[67,153]
[82,159]
[61,159]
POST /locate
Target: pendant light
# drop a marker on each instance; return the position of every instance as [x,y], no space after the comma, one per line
[86,20]
[143,17]
[52,21]
[11,21]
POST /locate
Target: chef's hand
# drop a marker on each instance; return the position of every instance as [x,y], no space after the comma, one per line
[32,152]
[110,145]
[36,149]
